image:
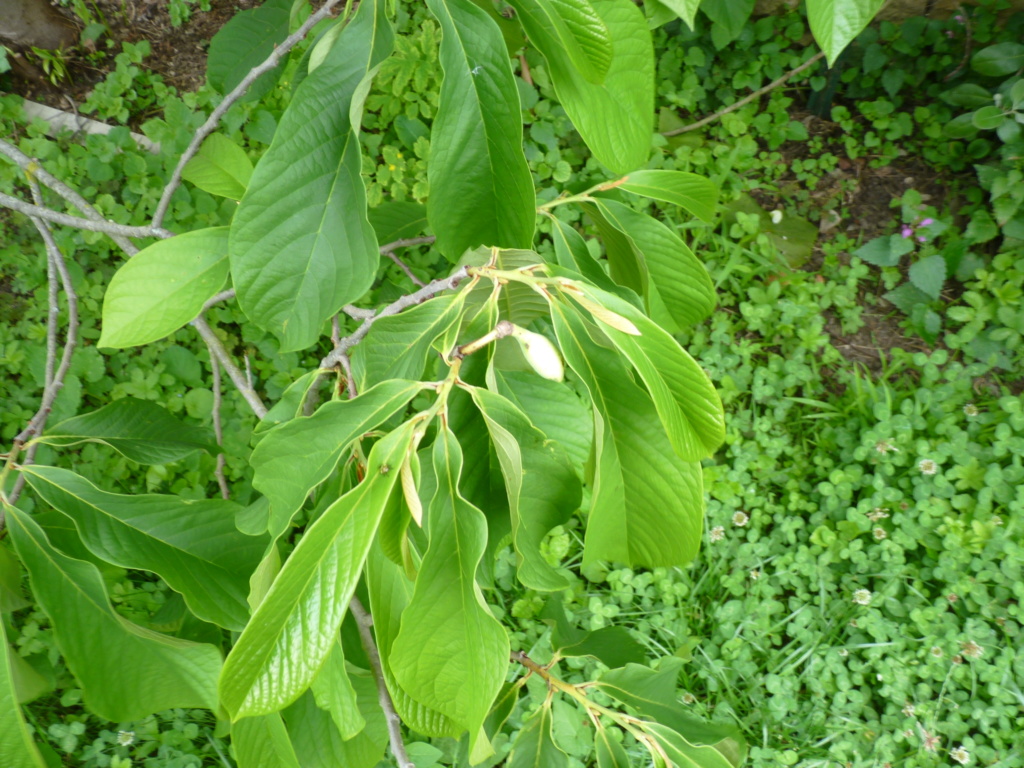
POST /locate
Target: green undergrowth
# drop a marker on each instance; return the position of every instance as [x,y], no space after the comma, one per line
[857,598]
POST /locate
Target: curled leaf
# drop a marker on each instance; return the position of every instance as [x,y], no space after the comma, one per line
[540,353]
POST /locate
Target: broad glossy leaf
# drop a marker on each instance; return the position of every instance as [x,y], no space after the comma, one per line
[646,503]
[137,429]
[390,592]
[398,220]
[262,742]
[687,11]
[301,244]
[693,193]
[451,654]
[293,629]
[543,488]
[481,191]
[163,287]
[333,692]
[298,455]
[192,544]
[126,672]
[245,41]
[534,747]
[613,646]
[12,596]
[397,347]
[290,404]
[572,253]
[221,167]
[682,284]
[835,23]
[626,264]
[17,748]
[615,118]
[682,753]
[687,403]
[581,31]
[609,751]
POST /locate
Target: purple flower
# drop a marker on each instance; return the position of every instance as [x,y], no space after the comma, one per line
[926,222]
[907,231]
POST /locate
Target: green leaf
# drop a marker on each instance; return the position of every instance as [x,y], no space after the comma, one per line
[397,347]
[542,486]
[289,406]
[907,296]
[988,118]
[221,167]
[245,41]
[626,264]
[684,9]
[262,742]
[572,253]
[929,274]
[613,646]
[398,220]
[534,747]
[293,629]
[163,287]
[967,95]
[137,429]
[835,23]
[126,672]
[646,503]
[680,292]
[481,191]
[961,127]
[998,60]
[298,455]
[17,748]
[582,33]
[878,252]
[451,654]
[608,750]
[12,597]
[193,545]
[728,18]
[615,118]
[301,244]
[682,753]
[693,193]
[333,692]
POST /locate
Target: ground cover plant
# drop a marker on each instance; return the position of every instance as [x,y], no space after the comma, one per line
[861,530]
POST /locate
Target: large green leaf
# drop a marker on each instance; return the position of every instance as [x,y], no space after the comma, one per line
[646,504]
[451,654]
[686,400]
[609,751]
[581,31]
[682,753]
[481,191]
[298,455]
[301,244]
[137,429]
[193,545]
[835,23]
[17,749]
[679,292]
[534,747]
[262,742]
[12,596]
[684,9]
[397,220]
[626,265]
[543,488]
[615,118]
[163,287]
[397,347]
[728,16]
[694,193]
[126,672]
[220,167]
[333,692]
[245,41]
[293,629]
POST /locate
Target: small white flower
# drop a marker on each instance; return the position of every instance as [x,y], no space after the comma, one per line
[878,677]
[884,446]
[717,533]
[879,533]
[909,733]
[862,597]
[996,520]
[740,519]
[755,575]
[971,410]
[936,651]
[125,738]
[878,513]
[927,467]
[909,709]
[843,652]
[688,698]
[972,650]
[961,755]
[776,216]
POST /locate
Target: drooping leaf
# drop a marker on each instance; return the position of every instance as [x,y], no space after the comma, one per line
[451,654]
[626,264]
[290,405]
[139,430]
[646,504]
[613,646]
[999,60]
[687,11]
[293,629]
[608,750]
[615,118]
[221,167]
[728,18]
[262,742]
[300,454]
[481,191]
[333,692]
[192,544]
[693,193]
[163,287]
[245,41]
[398,220]
[581,31]
[835,23]
[12,596]
[682,753]
[929,274]
[17,748]
[534,747]
[572,253]
[543,488]
[301,244]
[126,672]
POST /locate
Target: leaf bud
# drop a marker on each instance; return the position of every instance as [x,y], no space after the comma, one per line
[540,353]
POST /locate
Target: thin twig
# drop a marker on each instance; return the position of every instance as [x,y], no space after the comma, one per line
[217,430]
[365,624]
[237,377]
[214,119]
[214,300]
[962,13]
[388,250]
[746,100]
[107,227]
[35,168]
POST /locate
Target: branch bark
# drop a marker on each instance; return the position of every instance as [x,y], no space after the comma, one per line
[107,227]
[234,373]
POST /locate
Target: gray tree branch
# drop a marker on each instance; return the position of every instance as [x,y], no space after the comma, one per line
[107,227]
